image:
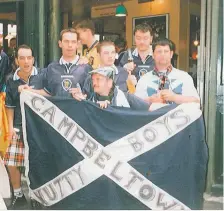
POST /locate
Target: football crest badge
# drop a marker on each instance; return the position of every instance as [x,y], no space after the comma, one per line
[142,72]
[66,84]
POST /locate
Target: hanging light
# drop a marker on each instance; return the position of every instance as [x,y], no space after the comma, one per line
[196,42]
[121,11]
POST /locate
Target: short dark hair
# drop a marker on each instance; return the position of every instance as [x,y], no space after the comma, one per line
[143,27]
[71,30]
[120,42]
[86,24]
[162,42]
[104,43]
[24,46]
[12,39]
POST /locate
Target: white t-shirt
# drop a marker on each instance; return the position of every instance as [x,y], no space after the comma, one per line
[180,82]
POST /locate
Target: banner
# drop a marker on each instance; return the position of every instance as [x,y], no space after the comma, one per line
[79,156]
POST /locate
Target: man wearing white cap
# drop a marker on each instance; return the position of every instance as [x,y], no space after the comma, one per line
[105,91]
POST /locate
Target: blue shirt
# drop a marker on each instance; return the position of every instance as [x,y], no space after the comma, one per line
[59,77]
[13,96]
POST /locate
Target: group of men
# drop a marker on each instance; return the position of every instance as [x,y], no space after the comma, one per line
[143,77]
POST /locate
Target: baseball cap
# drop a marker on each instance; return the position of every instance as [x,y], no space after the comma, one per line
[105,71]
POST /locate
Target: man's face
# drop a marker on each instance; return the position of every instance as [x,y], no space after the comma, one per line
[68,44]
[107,55]
[162,55]
[12,43]
[25,60]
[101,84]
[143,40]
[84,35]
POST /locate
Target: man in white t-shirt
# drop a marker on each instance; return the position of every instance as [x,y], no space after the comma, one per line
[166,84]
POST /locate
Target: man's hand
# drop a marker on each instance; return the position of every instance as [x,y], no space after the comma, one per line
[167,95]
[11,135]
[83,60]
[156,98]
[130,66]
[22,87]
[77,94]
[103,104]
[132,78]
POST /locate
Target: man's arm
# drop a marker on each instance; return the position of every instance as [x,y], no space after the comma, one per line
[141,88]
[136,103]
[40,92]
[189,93]
[169,95]
[10,118]
[37,91]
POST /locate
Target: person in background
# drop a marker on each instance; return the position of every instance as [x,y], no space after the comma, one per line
[139,61]
[4,68]
[11,54]
[106,53]
[120,45]
[86,31]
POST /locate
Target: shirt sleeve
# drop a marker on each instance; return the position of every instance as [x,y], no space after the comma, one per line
[124,59]
[39,79]
[87,87]
[137,103]
[141,88]
[189,88]
[10,101]
[121,79]
[43,78]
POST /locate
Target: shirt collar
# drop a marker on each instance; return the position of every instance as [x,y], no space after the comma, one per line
[93,45]
[16,76]
[75,61]
[116,70]
[135,53]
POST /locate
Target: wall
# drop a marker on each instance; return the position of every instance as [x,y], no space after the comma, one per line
[179,21]
[158,7]
[184,34]
[8,16]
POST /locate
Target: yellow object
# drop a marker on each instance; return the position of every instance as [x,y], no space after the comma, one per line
[131,86]
[93,57]
[3,125]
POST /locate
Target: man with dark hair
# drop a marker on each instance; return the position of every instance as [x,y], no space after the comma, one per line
[4,68]
[11,54]
[139,61]
[61,77]
[14,157]
[86,31]
[166,84]
[120,45]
